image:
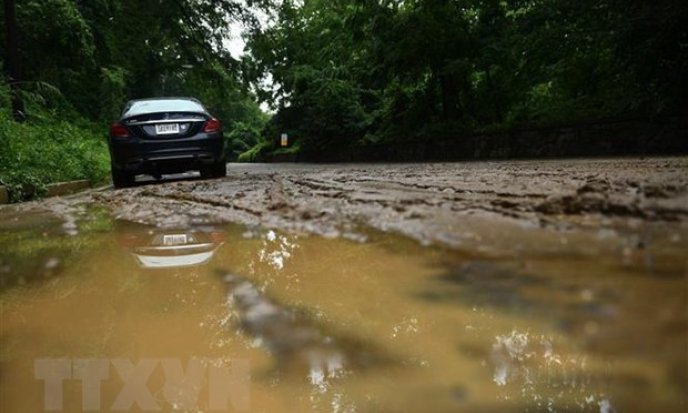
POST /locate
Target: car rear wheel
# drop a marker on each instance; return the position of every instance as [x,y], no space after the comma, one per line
[121,179]
[219,170]
[216,170]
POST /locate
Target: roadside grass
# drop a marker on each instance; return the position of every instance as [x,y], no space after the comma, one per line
[43,151]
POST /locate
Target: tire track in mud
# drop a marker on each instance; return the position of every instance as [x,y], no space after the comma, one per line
[437,189]
[428,202]
[277,199]
[511,208]
[588,197]
[212,201]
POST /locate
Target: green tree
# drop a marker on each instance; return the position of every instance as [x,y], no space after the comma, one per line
[346,73]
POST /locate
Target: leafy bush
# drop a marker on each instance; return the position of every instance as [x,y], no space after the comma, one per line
[35,154]
[241,138]
[256,154]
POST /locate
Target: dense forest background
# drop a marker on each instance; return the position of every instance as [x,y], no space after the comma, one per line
[338,76]
[365,72]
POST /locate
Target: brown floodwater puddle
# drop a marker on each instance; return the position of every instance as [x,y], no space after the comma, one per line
[302,323]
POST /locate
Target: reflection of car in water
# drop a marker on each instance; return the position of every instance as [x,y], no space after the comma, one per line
[166,248]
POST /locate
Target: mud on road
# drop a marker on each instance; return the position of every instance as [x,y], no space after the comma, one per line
[456,204]
[490,206]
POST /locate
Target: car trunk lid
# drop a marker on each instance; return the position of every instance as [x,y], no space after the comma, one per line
[166,125]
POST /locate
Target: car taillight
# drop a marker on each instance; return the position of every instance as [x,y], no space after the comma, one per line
[213,125]
[118,130]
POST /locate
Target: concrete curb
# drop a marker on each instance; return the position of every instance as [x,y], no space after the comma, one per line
[66,188]
[57,189]
[4,196]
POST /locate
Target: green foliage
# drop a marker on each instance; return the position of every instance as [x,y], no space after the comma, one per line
[35,154]
[57,48]
[348,73]
[242,138]
[100,53]
[4,97]
[113,90]
[257,153]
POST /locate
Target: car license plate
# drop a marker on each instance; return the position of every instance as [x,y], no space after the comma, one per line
[166,128]
[174,239]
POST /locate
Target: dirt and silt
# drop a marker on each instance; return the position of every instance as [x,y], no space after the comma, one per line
[485,286]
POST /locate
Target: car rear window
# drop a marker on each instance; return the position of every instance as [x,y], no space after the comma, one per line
[164,105]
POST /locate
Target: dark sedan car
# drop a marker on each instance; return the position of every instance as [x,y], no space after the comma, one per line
[165,136]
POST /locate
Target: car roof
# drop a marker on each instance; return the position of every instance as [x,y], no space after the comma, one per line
[130,104]
[166,98]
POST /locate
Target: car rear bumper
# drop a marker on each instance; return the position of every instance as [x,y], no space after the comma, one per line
[137,155]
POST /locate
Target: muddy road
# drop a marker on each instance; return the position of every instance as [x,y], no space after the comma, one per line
[485,286]
[428,202]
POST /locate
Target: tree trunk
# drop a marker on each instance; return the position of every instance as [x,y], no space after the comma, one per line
[493,92]
[13,67]
[450,97]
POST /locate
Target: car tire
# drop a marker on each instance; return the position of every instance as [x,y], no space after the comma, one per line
[216,170]
[219,169]
[121,179]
